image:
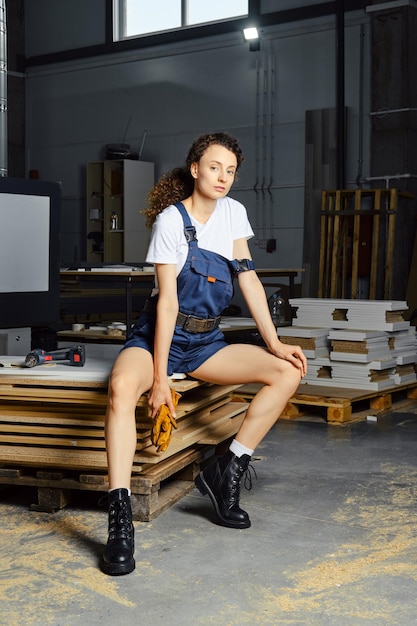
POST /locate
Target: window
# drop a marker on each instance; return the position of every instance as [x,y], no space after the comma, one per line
[133,18]
[202,12]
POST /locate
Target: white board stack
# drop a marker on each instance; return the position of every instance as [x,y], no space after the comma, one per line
[352,314]
[371,346]
[360,346]
[314,341]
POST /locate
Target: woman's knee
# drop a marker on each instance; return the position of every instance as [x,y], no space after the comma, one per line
[288,374]
[123,390]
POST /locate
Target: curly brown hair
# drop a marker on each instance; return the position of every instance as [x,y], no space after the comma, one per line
[178,184]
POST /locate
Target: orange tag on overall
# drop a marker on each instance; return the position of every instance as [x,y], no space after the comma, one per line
[211,279]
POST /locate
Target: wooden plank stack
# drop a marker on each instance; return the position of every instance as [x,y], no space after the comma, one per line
[52,434]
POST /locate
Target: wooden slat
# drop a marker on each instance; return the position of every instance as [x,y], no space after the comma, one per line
[375,245]
[206,422]
[50,414]
[355,245]
[323,247]
[346,257]
[55,431]
[75,396]
[65,382]
[145,509]
[49,441]
[150,455]
[152,475]
[389,265]
[329,248]
[53,457]
[224,430]
[335,246]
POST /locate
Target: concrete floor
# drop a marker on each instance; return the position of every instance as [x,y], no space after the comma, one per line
[333,542]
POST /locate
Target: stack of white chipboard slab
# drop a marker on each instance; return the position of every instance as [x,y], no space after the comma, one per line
[371,345]
[403,344]
[314,341]
[352,314]
[319,372]
[359,346]
[372,376]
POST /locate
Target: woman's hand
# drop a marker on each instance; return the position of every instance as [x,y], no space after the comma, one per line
[160,393]
[293,354]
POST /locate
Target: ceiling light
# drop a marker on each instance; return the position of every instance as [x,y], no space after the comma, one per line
[250,33]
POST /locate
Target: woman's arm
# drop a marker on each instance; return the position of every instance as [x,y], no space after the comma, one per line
[254,294]
[166,315]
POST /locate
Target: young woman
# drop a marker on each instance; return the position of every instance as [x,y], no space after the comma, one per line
[198,246]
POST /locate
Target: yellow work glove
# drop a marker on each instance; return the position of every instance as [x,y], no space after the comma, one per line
[162,424]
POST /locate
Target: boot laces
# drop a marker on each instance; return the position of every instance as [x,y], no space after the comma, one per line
[119,521]
[247,474]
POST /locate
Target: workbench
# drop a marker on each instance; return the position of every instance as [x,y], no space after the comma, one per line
[77,283]
[229,326]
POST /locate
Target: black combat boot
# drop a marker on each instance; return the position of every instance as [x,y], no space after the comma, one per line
[221,481]
[118,558]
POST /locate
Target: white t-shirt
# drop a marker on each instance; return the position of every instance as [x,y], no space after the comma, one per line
[228,222]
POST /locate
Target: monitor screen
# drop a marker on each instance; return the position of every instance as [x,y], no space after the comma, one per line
[29,252]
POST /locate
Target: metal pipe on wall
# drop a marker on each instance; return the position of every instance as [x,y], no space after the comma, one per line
[257,151]
[360,113]
[3,89]
[271,139]
[340,95]
[264,140]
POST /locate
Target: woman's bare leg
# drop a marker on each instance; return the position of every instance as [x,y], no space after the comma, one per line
[245,363]
[131,376]
[240,364]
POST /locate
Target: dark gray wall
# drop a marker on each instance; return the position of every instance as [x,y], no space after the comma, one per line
[16,165]
[179,90]
[54,26]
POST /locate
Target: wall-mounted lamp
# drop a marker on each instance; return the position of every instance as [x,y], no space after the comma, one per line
[251,34]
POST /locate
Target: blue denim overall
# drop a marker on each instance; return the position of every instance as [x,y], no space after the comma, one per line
[205,288]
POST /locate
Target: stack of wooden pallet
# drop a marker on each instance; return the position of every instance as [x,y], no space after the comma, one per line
[369,343]
[52,434]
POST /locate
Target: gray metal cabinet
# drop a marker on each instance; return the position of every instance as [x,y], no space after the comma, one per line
[116,193]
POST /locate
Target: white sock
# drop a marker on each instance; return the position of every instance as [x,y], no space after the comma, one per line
[239,449]
[129,493]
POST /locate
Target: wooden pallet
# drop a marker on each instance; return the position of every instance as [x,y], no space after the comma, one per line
[339,406]
[153,491]
[52,438]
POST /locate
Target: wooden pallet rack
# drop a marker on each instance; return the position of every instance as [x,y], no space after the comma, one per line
[52,438]
[339,406]
[357,239]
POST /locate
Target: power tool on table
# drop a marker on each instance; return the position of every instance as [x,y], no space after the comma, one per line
[75,356]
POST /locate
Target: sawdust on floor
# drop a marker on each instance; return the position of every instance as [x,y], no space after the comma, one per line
[47,568]
[53,564]
[338,584]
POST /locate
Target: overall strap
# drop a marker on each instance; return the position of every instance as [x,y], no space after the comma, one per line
[189,230]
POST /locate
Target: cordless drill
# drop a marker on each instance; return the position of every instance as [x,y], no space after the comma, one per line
[75,356]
